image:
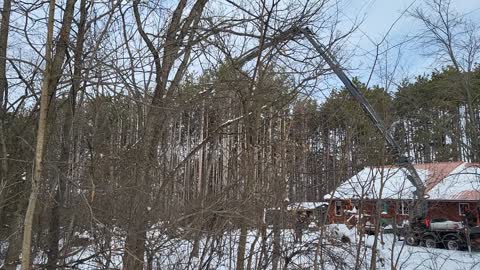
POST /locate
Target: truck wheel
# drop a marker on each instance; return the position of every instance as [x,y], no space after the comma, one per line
[430,242]
[411,240]
[452,244]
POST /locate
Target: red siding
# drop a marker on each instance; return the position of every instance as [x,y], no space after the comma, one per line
[448,210]
[436,209]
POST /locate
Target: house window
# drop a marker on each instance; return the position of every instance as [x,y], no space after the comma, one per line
[402,208]
[338,208]
[384,208]
[463,208]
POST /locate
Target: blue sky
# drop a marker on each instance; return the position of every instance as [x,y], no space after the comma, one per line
[378,16]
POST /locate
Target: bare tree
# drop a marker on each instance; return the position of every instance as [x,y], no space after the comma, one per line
[52,75]
[454,41]
[4,31]
[177,32]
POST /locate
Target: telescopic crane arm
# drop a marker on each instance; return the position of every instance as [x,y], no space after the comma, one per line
[402,160]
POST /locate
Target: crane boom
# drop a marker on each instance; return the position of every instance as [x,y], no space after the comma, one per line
[402,160]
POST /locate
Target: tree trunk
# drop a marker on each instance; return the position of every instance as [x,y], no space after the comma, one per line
[252,251]
[242,242]
[276,252]
[133,258]
[135,247]
[156,118]
[65,152]
[52,75]
[4,29]
[39,150]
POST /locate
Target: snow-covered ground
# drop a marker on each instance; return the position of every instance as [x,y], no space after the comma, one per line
[394,254]
[338,250]
[409,257]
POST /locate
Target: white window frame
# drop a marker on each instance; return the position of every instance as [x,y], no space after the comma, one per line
[338,204]
[403,208]
[460,208]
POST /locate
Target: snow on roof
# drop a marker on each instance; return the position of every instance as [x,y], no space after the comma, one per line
[463,183]
[437,171]
[305,205]
[443,180]
[371,182]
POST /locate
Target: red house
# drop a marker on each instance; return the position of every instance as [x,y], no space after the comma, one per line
[453,187]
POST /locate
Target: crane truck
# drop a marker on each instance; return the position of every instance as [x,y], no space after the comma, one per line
[420,230]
